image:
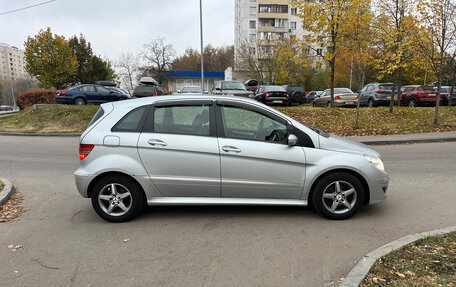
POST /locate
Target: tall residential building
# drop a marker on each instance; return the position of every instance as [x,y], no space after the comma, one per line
[260,23]
[12,63]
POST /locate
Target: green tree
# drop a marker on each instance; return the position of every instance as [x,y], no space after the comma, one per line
[49,58]
[83,52]
[98,70]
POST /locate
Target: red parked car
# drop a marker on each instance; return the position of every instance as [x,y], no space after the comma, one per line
[416,95]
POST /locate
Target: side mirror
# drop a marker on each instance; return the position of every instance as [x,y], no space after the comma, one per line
[218,89]
[292,140]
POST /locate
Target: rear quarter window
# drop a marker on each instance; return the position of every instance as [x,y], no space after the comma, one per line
[132,121]
[97,116]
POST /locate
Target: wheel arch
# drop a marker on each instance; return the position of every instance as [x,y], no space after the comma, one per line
[114,173]
[361,179]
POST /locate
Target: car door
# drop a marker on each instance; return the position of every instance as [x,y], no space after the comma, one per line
[179,149]
[255,159]
[90,93]
[363,95]
[105,95]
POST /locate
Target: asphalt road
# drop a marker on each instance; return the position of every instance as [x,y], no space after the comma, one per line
[66,244]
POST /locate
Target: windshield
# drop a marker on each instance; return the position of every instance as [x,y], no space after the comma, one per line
[274,89]
[233,86]
[342,91]
[426,88]
[191,90]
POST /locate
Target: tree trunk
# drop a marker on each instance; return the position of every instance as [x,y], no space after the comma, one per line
[332,64]
[399,86]
[437,100]
[393,92]
[360,86]
[450,98]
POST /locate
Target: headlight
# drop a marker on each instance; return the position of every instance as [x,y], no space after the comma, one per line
[376,161]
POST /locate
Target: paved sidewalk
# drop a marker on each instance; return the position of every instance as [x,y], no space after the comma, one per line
[406,138]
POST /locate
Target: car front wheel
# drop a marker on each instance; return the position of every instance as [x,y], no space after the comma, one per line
[338,195]
[412,103]
[117,198]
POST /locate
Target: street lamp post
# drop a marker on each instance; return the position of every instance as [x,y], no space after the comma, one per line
[202,48]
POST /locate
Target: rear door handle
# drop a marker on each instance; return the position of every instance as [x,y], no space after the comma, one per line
[156,142]
[229,148]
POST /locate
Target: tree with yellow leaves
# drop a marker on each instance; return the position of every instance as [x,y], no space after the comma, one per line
[324,20]
[436,36]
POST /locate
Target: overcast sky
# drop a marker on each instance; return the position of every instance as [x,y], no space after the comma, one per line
[118,26]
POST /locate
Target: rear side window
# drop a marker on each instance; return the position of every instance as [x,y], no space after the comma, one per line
[385,87]
[87,89]
[97,116]
[131,122]
[188,120]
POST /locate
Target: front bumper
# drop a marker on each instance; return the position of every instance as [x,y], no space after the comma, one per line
[378,181]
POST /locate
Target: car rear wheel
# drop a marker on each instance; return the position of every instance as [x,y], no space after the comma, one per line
[338,195]
[117,198]
[329,105]
[79,102]
[314,104]
[412,103]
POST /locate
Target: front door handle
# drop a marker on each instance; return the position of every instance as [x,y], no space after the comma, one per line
[229,148]
[156,142]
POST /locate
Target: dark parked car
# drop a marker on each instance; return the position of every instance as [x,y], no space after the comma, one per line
[251,85]
[148,87]
[270,94]
[231,88]
[297,93]
[85,94]
[416,95]
[445,95]
[376,94]
[312,95]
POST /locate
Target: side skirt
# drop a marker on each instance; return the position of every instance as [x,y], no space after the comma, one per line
[223,201]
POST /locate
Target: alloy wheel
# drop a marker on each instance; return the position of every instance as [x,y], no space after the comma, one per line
[115,199]
[339,197]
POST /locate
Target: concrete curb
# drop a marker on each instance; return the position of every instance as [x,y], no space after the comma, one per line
[359,272]
[7,191]
[38,135]
[411,141]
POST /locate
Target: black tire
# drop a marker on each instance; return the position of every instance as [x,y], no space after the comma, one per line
[123,185]
[370,103]
[79,101]
[412,103]
[327,185]
[329,105]
[314,104]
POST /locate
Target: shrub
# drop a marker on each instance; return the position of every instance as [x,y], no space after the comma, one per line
[32,97]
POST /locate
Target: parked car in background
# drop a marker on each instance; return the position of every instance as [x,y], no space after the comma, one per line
[176,151]
[6,108]
[297,94]
[312,95]
[191,90]
[231,88]
[376,94]
[272,94]
[445,95]
[117,90]
[106,83]
[342,97]
[148,87]
[85,94]
[416,95]
[251,85]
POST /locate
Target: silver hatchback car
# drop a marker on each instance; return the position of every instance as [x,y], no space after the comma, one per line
[200,150]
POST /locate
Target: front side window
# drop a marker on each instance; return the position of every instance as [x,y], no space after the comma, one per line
[243,123]
[102,89]
[188,120]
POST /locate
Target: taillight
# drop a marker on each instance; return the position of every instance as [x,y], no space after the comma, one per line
[337,97]
[84,150]
[380,91]
[288,95]
[154,95]
[63,93]
[420,93]
[266,95]
[133,96]
[447,95]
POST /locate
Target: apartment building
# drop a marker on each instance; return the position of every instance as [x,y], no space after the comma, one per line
[12,63]
[259,24]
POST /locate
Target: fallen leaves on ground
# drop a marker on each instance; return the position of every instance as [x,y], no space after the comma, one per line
[12,209]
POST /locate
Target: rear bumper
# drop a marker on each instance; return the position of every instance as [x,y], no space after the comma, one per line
[82,180]
[276,100]
[341,103]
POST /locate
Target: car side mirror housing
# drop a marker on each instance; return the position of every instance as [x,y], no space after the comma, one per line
[292,140]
